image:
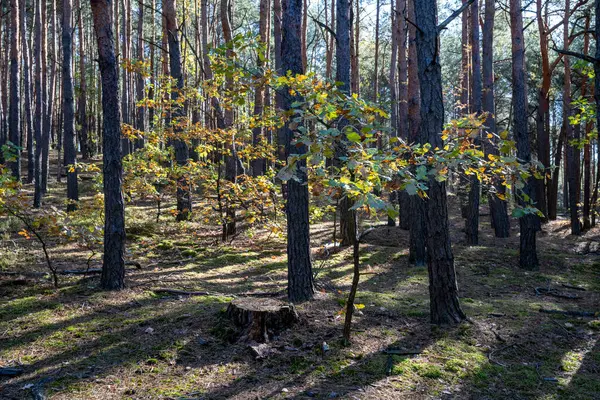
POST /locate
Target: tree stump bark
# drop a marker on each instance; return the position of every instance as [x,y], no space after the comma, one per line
[258,316]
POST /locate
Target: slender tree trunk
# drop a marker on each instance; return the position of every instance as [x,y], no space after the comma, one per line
[184,196]
[28,93]
[543,109]
[83,117]
[418,238]
[572,159]
[587,176]
[4,41]
[528,223]
[300,276]
[330,39]
[139,86]
[14,118]
[124,55]
[597,101]
[443,289]
[39,103]
[402,127]
[396,17]
[376,67]
[498,206]
[472,220]
[69,107]
[113,267]
[464,106]
[343,55]
[258,133]
[233,164]
[49,98]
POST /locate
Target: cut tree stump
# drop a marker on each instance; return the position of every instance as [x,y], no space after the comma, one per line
[259,316]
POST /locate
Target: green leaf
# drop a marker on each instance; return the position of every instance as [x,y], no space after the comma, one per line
[353,137]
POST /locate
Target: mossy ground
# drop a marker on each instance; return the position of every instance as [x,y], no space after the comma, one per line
[80,343]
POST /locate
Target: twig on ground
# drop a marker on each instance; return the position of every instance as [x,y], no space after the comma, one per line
[180,292]
[491,354]
[8,371]
[555,293]
[569,312]
[574,287]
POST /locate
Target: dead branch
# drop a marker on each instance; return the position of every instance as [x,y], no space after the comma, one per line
[569,312]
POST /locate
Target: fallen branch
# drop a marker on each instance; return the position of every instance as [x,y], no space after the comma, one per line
[175,262]
[400,352]
[200,293]
[571,313]
[35,274]
[180,292]
[554,293]
[574,287]
[491,354]
[8,371]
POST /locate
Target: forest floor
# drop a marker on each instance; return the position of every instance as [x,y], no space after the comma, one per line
[81,343]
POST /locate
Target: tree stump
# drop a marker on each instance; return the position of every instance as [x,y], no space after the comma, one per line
[259,316]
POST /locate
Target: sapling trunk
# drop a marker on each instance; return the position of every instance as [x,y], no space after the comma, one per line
[353,289]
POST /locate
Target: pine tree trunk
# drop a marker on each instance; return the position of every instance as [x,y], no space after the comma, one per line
[83,117]
[443,289]
[572,159]
[343,55]
[418,239]
[113,267]
[543,109]
[28,94]
[472,220]
[404,201]
[139,87]
[300,276]
[233,164]
[258,133]
[597,101]
[528,223]
[498,206]
[40,91]
[14,118]
[184,196]
[69,107]
[587,176]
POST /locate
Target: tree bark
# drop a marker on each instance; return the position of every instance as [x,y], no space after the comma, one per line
[343,70]
[402,127]
[83,117]
[300,276]
[113,266]
[443,289]
[14,118]
[50,97]
[597,100]
[572,159]
[184,196]
[69,107]
[139,84]
[40,90]
[472,220]
[528,223]
[587,176]
[259,165]
[498,207]
[418,238]
[28,93]
[233,164]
